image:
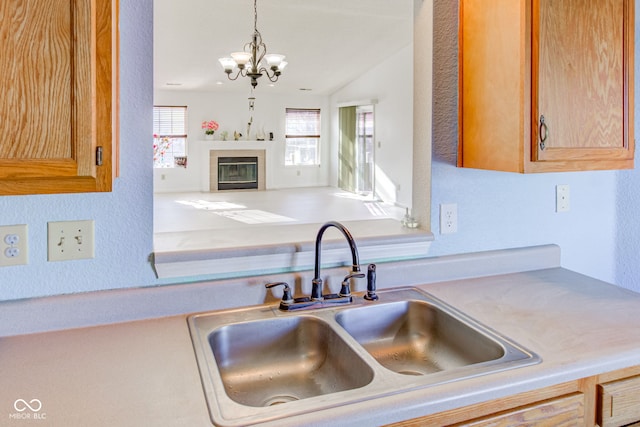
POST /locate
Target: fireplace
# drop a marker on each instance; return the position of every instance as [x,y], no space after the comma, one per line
[236,170]
[237,173]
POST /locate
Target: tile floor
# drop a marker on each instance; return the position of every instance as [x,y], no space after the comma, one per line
[230,219]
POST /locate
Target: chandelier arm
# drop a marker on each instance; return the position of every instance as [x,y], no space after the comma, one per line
[273,77]
[238,74]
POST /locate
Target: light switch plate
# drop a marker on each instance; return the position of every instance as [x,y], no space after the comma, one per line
[68,240]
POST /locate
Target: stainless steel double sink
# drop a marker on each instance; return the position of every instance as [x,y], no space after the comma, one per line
[260,364]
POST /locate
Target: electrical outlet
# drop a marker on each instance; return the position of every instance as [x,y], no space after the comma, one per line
[562,198]
[69,240]
[448,218]
[13,245]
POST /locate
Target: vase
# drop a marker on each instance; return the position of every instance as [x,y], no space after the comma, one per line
[208,137]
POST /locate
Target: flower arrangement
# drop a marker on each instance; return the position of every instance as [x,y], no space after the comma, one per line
[160,147]
[210,126]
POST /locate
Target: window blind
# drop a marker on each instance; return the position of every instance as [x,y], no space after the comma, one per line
[302,123]
[170,121]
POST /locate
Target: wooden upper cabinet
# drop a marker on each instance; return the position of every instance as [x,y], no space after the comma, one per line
[546,85]
[57,79]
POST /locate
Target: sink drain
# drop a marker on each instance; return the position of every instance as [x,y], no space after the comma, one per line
[279,400]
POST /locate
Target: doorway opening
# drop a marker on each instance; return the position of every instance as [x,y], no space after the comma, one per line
[356,169]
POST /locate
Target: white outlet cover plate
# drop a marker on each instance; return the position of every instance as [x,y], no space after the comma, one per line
[562,198]
[448,218]
[14,250]
[68,240]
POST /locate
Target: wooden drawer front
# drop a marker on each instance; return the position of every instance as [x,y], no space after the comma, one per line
[560,412]
[619,402]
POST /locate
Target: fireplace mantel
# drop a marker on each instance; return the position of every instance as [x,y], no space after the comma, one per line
[238,145]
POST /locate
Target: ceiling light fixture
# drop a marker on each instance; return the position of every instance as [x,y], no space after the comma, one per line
[248,62]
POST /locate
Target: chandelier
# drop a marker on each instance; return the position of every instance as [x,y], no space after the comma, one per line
[248,62]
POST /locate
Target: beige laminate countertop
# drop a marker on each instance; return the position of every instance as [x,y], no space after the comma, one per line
[144,372]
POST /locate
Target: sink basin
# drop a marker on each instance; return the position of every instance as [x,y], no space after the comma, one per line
[259,364]
[417,338]
[270,362]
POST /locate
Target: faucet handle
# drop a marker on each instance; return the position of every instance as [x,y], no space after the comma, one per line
[286,296]
[345,290]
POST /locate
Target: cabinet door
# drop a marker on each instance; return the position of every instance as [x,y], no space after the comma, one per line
[583,81]
[56,108]
[619,402]
[494,91]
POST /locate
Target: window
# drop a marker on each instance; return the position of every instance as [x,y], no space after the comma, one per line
[302,137]
[169,137]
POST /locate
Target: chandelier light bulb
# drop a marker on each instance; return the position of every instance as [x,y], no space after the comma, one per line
[274,60]
[228,64]
[241,58]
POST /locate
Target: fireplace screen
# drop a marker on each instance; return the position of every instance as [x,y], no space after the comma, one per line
[237,173]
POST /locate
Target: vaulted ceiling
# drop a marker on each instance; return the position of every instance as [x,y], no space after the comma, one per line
[327,42]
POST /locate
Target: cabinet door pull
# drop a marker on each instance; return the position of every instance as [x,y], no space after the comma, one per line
[543,135]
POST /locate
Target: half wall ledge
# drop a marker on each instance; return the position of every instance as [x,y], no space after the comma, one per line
[196,256]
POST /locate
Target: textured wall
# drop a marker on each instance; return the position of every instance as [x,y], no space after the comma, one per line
[627,227]
[123,218]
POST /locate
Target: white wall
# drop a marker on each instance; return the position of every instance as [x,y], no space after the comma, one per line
[231,111]
[393,130]
[391,83]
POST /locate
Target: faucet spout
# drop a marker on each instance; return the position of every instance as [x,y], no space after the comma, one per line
[316,291]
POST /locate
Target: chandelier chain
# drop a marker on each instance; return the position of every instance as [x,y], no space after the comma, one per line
[255,15]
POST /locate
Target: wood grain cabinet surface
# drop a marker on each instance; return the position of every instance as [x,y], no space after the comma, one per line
[559,406]
[546,85]
[611,399]
[619,402]
[58,68]
[558,412]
